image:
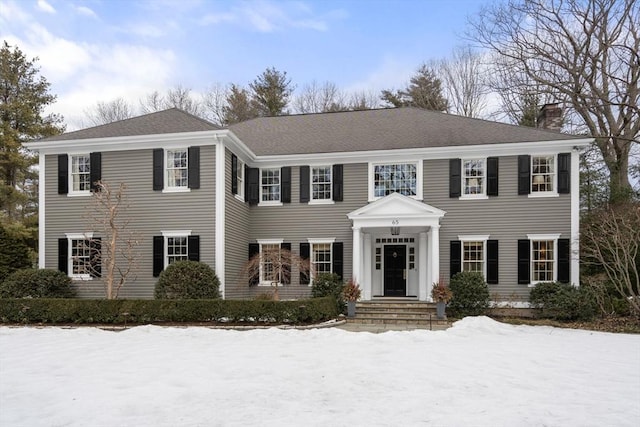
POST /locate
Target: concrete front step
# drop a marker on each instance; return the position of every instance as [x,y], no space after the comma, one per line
[396,311]
[387,321]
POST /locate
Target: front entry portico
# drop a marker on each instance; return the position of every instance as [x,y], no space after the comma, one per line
[396,247]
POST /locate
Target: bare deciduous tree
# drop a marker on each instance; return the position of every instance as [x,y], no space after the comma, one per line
[364,100]
[109,112]
[177,97]
[463,78]
[274,265]
[584,53]
[320,98]
[611,240]
[215,102]
[115,245]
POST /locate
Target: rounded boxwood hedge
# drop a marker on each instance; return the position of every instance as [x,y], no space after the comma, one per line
[563,301]
[188,280]
[470,294]
[41,283]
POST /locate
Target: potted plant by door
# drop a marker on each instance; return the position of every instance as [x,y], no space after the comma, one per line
[441,294]
[351,293]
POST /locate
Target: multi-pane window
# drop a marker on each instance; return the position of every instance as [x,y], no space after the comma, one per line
[473,256]
[80,173]
[473,180]
[321,258]
[80,259]
[269,262]
[270,185]
[542,260]
[542,173]
[240,178]
[321,183]
[177,168]
[395,178]
[177,249]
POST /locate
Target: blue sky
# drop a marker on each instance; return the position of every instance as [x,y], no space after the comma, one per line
[98,50]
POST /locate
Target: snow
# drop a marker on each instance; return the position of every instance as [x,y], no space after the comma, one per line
[477,373]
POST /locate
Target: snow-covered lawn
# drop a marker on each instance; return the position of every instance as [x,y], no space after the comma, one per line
[478,373]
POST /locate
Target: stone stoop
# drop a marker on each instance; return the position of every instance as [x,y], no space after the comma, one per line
[397,312]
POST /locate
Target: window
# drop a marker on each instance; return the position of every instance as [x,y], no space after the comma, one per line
[177,249]
[473,256]
[81,255]
[173,246]
[473,177]
[270,262]
[403,178]
[80,171]
[239,173]
[542,260]
[321,183]
[321,258]
[270,185]
[177,168]
[542,174]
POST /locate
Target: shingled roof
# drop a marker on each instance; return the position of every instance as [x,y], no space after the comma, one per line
[382,129]
[173,120]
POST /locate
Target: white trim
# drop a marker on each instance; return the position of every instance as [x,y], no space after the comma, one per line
[313,242]
[552,193]
[220,219]
[270,241]
[419,177]
[575,218]
[543,237]
[321,241]
[270,202]
[473,238]
[313,201]
[262,242]
[176,233]
[71,192]
[41,212]
[79,236]
[240,166]
[554,236]
[321,202]
[482,195]
[474,197]
[542,195]
[176,189]
[166,188]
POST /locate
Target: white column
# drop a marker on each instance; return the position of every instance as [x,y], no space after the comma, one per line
[434,245]
[356,261]
[41,216]
[366,282]
[575,218]
[423,267]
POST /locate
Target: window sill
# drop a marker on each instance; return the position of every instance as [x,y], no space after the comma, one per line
[269,284]
[533,284]
[83,277]
[322,202]
[176,190]
[79,194]
[238,197]
[541,195]
[270,204]
[474,197]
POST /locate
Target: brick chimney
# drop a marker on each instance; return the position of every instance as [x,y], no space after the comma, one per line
[550,117]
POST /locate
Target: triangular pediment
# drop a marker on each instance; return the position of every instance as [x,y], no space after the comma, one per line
[395,205]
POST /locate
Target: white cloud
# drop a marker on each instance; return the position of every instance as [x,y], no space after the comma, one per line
[83,10]
[217,18]
[45,7]
[392,73]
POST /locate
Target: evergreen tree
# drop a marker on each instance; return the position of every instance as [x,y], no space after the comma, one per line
[271,91]
[424,91]
[23,96]
[238,107]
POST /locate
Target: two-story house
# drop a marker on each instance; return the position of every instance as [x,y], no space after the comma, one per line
[396,199]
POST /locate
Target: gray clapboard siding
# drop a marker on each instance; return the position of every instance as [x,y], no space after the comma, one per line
[507,218]
[150,213]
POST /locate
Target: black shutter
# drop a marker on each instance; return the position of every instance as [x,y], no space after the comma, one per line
[158,169]
[455,182]
[338,183]
[337,258]
[63,174]
[524,262]
[96,255]
[253,185]
[286,264]
[63,255]
[492,262]
[455,254]
[305,254]
[492,176]
[95,171]
[194,167]
[246,182]
[234,174]
[285,185]
[158,255]
[524,174]
[564,173]
[254,249]
[564,261]
[304,184]
[194,248]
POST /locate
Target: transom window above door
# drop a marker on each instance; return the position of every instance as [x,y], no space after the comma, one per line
[388,178]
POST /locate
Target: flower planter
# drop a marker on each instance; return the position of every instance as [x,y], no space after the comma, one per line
[351,309]
[440,307]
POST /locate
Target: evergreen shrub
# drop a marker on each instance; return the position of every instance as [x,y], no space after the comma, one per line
[329,285]
[14,254]
[563,301]
[187,280]
[470,294]
[37,283]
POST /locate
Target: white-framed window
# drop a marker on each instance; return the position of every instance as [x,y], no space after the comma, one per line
[474,253]
[544,258]
[543,174]
[321,183]
[321,256]
[177,169]
[474,182]
[239,172]
[80,174]
[176,246]
[401,177]
[79,257]
[270,186]
[270,262]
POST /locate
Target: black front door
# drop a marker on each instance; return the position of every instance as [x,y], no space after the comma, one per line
[395,262]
